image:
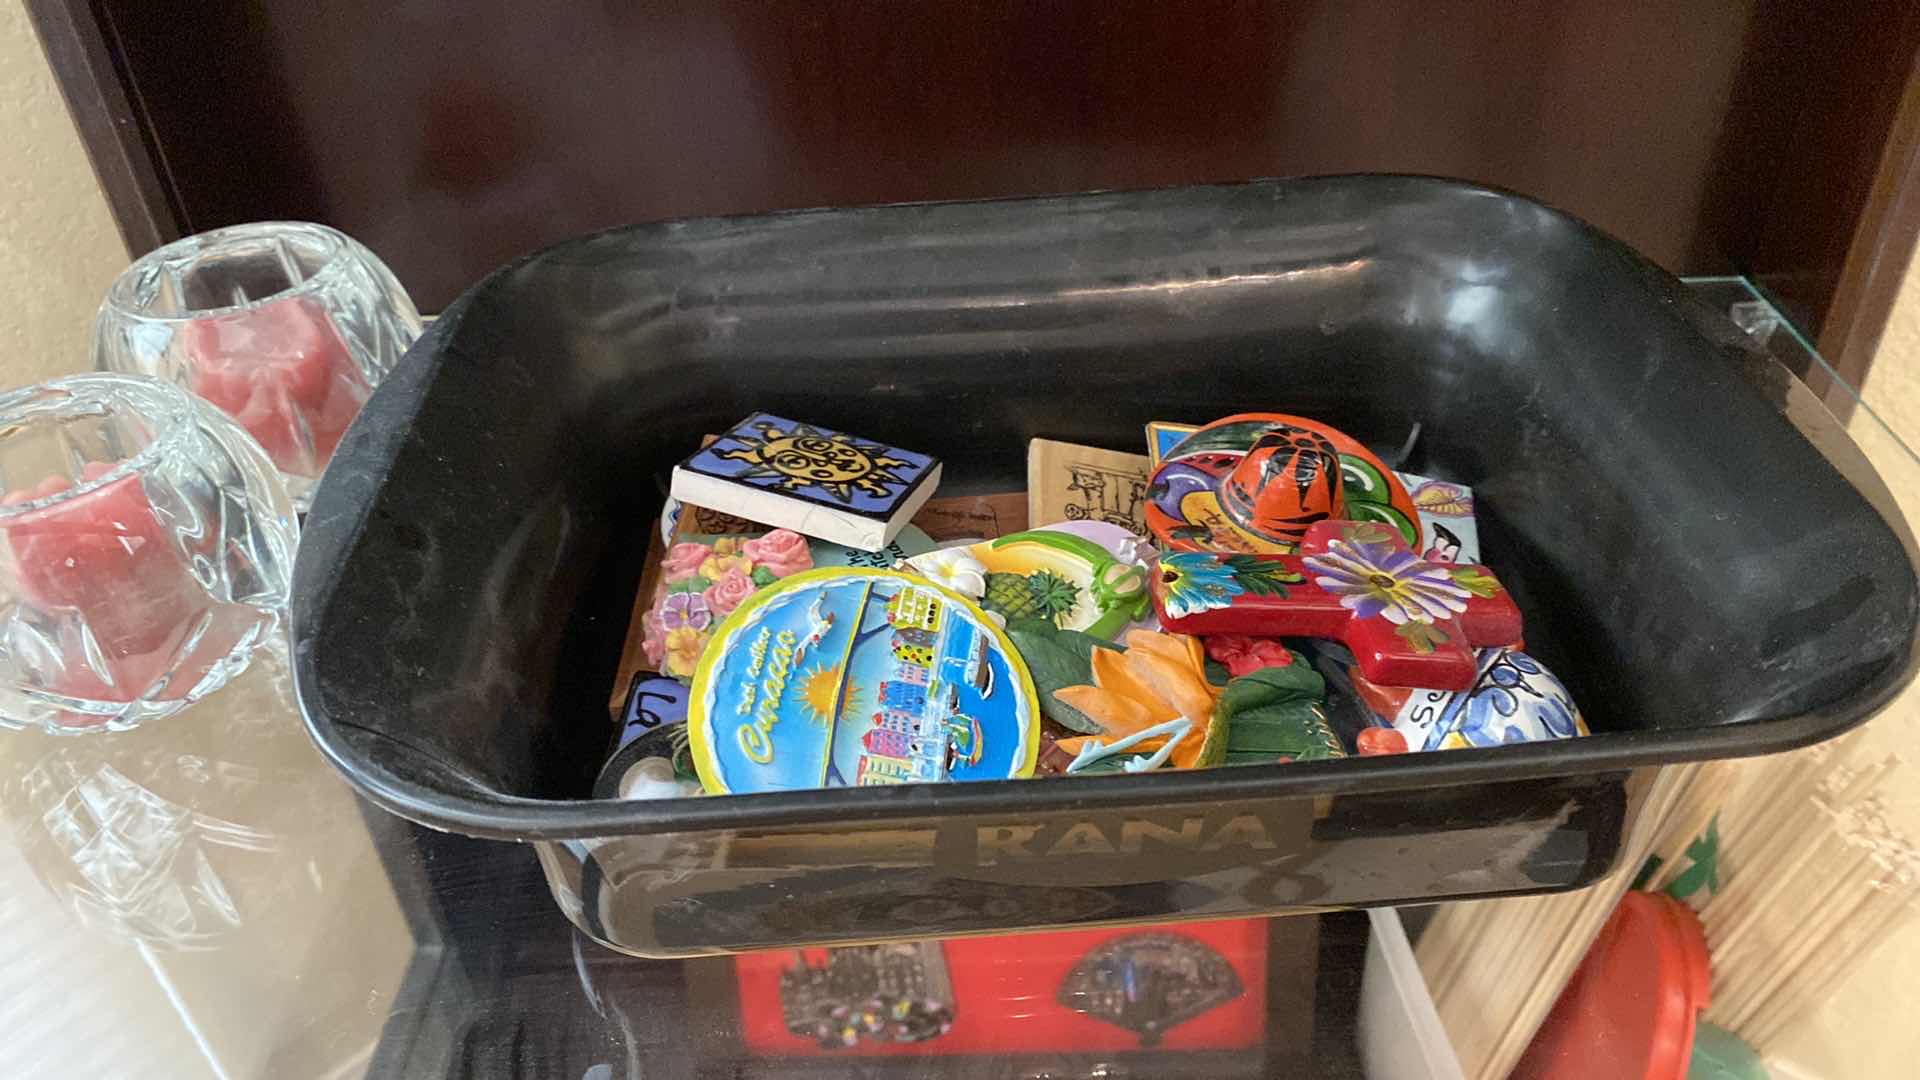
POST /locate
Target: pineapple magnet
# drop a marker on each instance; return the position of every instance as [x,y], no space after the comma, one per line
[1093,583]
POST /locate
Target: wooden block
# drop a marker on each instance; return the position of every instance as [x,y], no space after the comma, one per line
[1069,482]
[968,517]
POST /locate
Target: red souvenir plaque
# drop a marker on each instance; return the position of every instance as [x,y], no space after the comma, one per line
[1196,986]
[1408,622]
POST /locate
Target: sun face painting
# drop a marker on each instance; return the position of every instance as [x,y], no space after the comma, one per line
[815,463]
[845,678]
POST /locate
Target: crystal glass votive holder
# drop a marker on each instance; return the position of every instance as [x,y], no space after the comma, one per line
[285,326]
[146,549]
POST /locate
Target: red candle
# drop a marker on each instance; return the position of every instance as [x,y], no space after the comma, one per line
[105,557]
[284,373]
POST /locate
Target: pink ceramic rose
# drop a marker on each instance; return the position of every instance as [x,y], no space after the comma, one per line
[654,642]
[683,561]
[725,595]
[781,552]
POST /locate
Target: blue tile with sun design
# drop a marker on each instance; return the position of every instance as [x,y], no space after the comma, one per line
[816,464]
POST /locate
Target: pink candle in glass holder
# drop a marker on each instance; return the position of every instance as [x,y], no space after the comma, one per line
[146,562]
[284,373]
[285,326]
[104,556]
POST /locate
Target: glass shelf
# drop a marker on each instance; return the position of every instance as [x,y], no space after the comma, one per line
[1748,308]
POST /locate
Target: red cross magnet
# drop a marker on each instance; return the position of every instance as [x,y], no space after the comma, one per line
[1408,622]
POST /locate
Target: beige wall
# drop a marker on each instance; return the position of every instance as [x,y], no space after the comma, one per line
[1893,384]
[58,245]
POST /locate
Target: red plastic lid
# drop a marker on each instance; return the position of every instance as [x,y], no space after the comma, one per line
[1630,1009]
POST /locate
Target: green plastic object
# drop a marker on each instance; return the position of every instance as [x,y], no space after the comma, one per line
[1719,1054]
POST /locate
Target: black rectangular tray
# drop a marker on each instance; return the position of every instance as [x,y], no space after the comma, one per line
[1702,554]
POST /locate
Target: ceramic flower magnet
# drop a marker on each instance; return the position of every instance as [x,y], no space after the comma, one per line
[702,581]
[1256,482]
[1153,706]
[1409,622]
[1152,699]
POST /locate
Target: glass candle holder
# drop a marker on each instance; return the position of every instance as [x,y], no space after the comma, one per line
[286,327]
[146,549]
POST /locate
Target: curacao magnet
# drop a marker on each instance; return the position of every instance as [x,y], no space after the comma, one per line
[852,678]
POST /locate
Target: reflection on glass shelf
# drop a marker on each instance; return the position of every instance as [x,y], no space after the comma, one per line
[205,880]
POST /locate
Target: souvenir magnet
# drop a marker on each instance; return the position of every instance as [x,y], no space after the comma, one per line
[813,480]
[1446,517]
[670,520]
[1254,483]
[1514,699]
[1162,437]
[1408,622]
[911,541]
[871,994]
[653,701]
[1067,579]
[844,677]
[653,766]
[1148,983]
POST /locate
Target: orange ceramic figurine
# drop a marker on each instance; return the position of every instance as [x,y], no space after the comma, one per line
[1288,481]
[1256,482]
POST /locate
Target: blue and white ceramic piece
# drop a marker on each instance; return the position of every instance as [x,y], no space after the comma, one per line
[670,520]
[1514,699]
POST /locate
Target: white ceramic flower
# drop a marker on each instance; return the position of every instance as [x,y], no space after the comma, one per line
[652,778]
[1134,550]
[955,568]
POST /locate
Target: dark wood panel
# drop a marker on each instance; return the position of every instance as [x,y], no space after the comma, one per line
[1752,135]
[117,141]
[1878,260]
[1805,173]
[207,82]
[454,136]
